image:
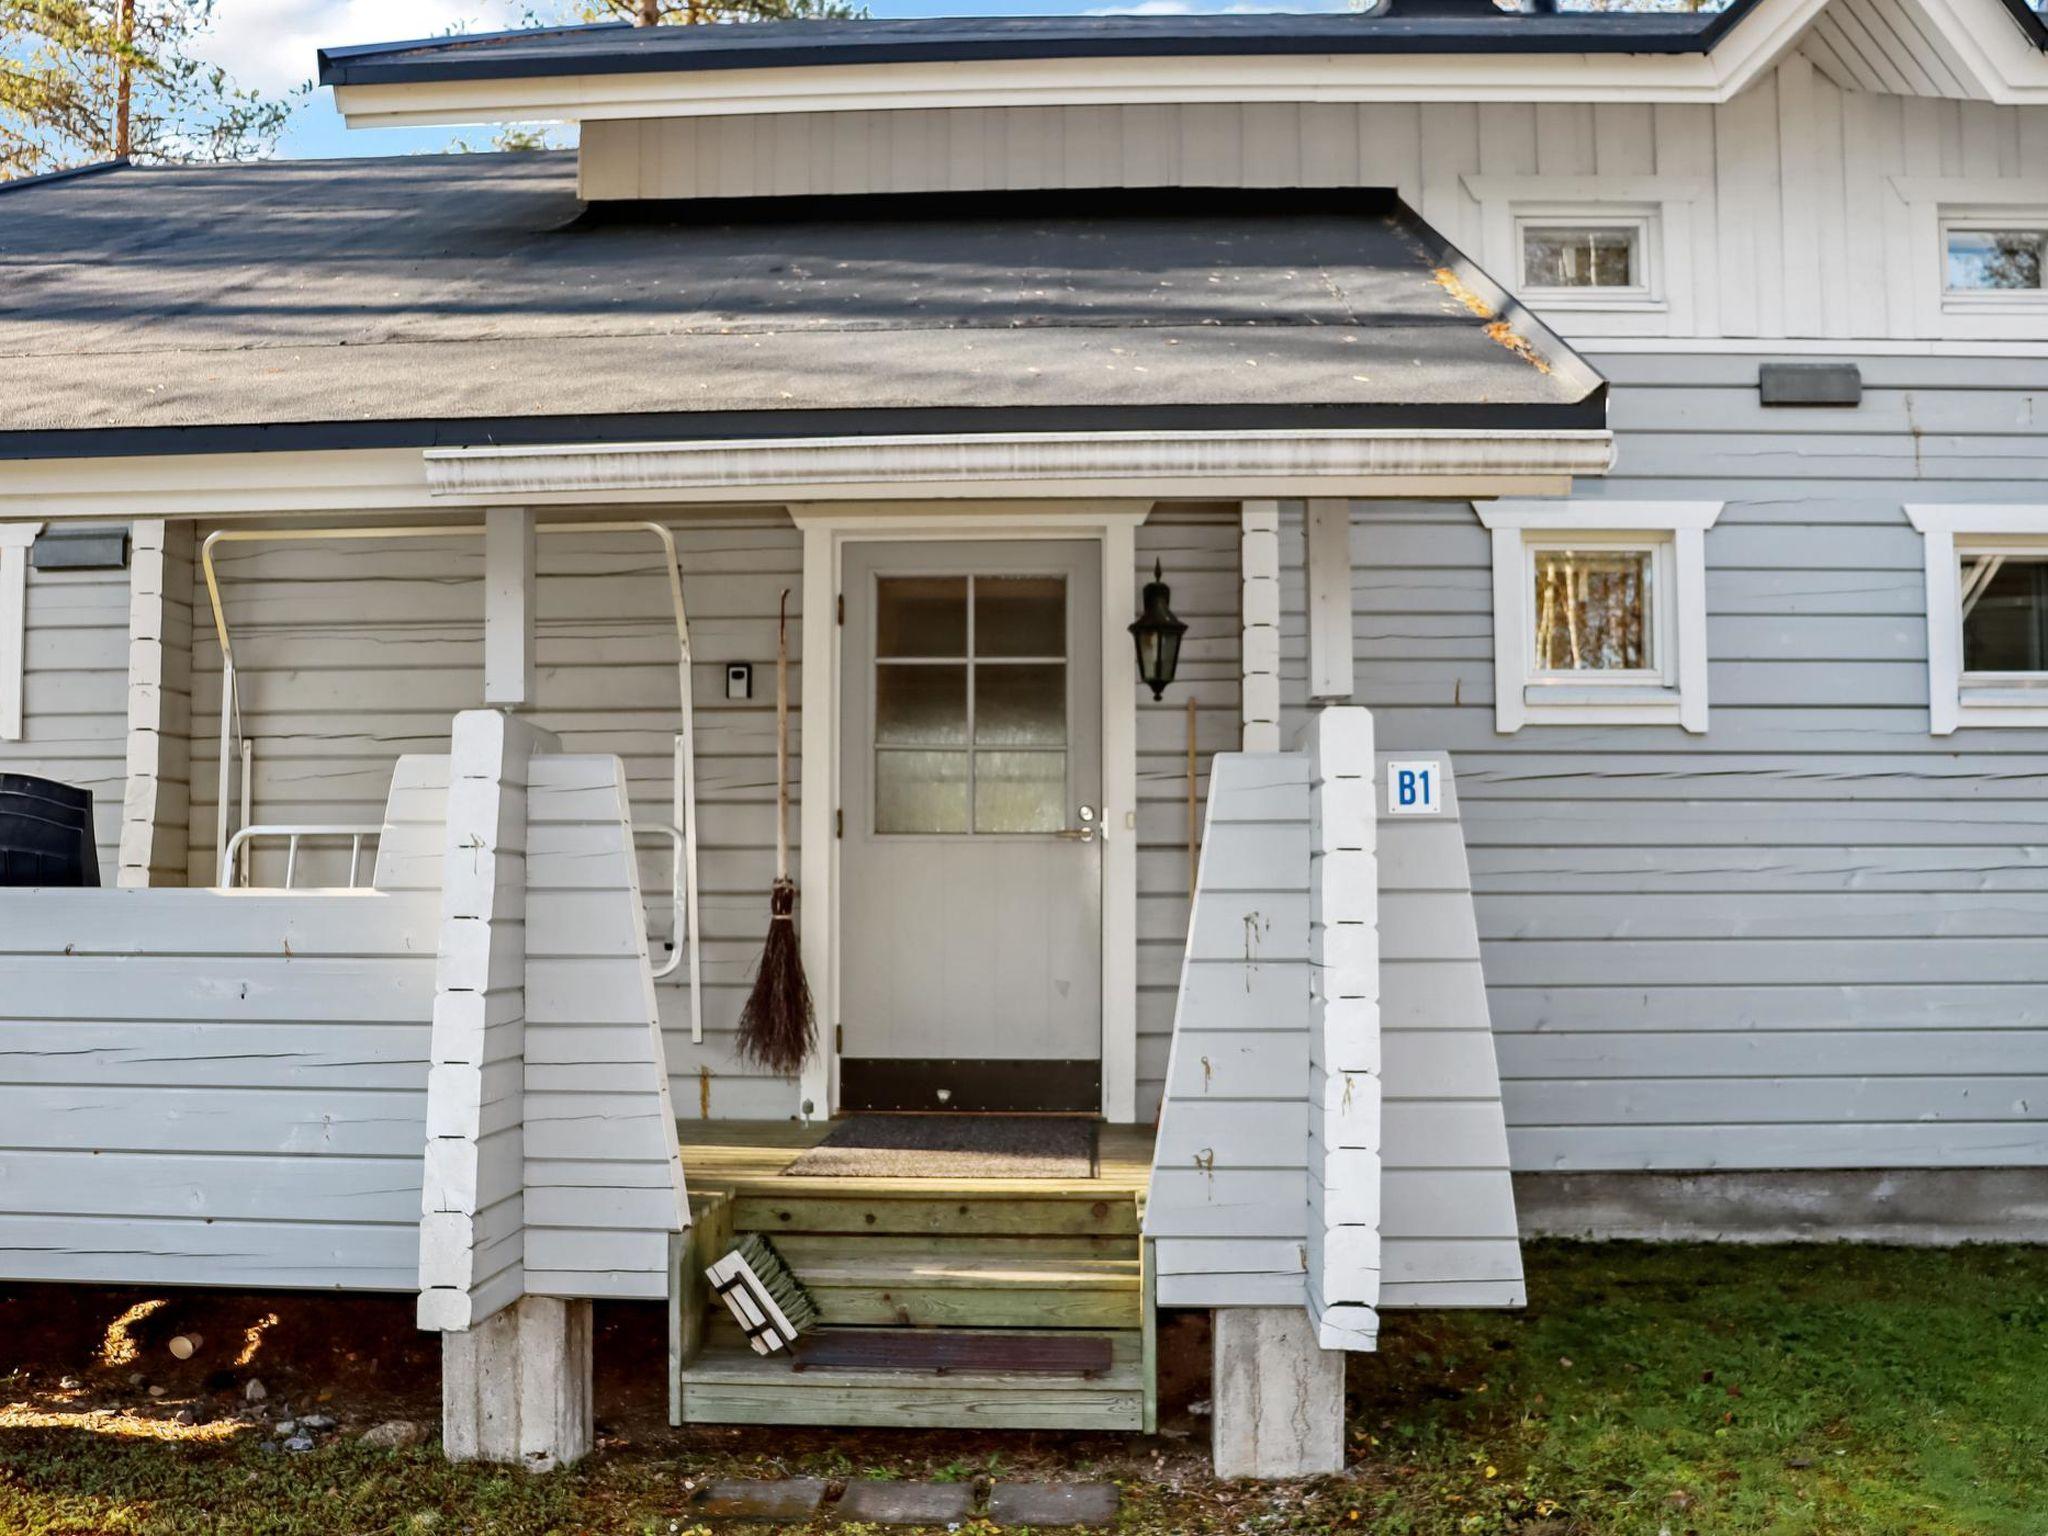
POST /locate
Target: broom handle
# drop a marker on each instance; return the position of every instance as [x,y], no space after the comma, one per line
[782,740]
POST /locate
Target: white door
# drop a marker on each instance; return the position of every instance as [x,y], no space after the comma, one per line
[971,862]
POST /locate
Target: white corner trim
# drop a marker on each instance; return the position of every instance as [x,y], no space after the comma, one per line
[1949,706]
[831,468]
[1683,525]
[1258,566]
[15,539]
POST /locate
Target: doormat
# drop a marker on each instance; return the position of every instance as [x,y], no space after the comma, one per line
[953,1147]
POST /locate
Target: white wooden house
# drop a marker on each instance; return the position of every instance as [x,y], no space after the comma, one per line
[1598,458]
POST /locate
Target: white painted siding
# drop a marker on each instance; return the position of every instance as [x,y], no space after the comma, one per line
[75,694]
[210,1089]
[1812,937]
[1797,232]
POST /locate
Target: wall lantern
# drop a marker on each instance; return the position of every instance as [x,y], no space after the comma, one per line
[1157,633]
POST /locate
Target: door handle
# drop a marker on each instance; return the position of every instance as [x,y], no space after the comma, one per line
[1085,833]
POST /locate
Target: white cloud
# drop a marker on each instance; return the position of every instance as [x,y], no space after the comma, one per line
[268,45]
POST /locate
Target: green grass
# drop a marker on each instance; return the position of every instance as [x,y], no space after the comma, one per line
[1718,1391]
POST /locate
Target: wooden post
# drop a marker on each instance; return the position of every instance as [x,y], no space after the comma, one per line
[1259,566]
[1194,815]
[1330,662]
[508,607]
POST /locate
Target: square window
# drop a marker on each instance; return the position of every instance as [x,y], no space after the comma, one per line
[2005,613]
[1592,611]
[1992,260]
[1604,257]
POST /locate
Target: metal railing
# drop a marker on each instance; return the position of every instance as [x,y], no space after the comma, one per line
[232,862]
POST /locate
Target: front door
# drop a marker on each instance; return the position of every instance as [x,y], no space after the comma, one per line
[971,866]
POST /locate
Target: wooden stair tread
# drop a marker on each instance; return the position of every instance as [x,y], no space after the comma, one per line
[969,1272]
[728,1359]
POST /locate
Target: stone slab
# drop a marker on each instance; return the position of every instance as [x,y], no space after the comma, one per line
[1042,1505]
[890,1503]
[790,1499]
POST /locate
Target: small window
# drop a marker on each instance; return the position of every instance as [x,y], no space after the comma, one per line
[1986,260]
[1607,257]
[1593,610]
[1987,614]
[2005,614]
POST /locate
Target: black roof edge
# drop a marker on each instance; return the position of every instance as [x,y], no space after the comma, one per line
[1587,414]
[2031,21]
[469,56]
[69,173]
[1024,203]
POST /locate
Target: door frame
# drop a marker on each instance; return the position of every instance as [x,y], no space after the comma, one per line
[827,528]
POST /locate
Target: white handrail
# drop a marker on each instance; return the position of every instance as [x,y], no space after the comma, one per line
[686,757]
[294,833]
[679,930]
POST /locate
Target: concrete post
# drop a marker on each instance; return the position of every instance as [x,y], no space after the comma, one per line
[516,1387]
[1278,1396]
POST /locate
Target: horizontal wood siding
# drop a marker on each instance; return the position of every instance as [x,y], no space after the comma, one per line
[1796,231]
[218,1090]
[1811,938]
[74,694]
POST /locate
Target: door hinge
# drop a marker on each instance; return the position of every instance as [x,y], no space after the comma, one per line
[842,608]
[839,823]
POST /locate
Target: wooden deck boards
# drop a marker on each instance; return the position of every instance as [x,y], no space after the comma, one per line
[748,1156]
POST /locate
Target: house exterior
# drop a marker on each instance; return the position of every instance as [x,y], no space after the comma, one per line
[1597,459]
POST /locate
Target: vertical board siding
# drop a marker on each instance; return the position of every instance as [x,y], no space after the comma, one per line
[1811,937]
[354,653]
[1798,234]
[74,694]
[203,1089]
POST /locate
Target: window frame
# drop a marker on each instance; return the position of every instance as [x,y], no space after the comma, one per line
[1674,690]
[15,540]
[1935,205]
[1955,698]
[1644,293]
[1964,300]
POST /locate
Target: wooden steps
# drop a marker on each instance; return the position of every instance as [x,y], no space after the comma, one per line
[729,1384]
[1034,1260]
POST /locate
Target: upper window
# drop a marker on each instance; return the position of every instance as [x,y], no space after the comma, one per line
[1984,259]
[1599,612]
[1609,258]
[1987,615]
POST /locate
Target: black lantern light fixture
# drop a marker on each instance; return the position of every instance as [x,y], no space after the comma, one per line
[1157,633]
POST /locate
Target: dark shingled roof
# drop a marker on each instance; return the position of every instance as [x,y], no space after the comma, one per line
[1444,26]
[472,298]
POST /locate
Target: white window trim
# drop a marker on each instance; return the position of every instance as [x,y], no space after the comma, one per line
[1934,205]
[1646,294]
[1664,207]
[15,539]
[1678,695]
[1952,700]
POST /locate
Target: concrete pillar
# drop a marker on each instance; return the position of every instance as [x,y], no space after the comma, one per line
[1278,1396]
[516,1387]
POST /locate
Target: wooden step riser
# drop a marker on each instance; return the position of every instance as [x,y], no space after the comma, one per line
[954,1307]
[1002,1215]
[920,1406]
[919,1248]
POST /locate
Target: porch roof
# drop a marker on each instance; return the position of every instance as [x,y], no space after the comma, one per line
[472,299]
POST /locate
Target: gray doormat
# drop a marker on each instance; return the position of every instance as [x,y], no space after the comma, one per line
[952,1147]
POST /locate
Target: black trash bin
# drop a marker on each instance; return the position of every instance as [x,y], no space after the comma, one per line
[46,833]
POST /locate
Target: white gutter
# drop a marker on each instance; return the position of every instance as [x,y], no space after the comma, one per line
[1320,462]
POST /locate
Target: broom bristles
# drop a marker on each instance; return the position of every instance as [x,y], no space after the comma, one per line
[778,1029]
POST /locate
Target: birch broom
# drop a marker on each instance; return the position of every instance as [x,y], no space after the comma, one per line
[778,1030]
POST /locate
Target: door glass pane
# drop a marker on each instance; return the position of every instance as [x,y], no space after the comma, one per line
[921,705]
[1020,616]
[1020,704]
[919,791]
[1020,791]
[2005,618]
[921,616]
[1593,610]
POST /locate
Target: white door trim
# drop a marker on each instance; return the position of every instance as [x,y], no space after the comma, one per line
[827,529]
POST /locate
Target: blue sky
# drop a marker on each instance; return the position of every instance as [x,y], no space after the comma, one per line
[268,45]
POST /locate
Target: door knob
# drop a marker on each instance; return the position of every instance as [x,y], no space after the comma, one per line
[1085,833]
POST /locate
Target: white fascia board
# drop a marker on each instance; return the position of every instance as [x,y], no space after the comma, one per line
[1031,464]
[1756,44]
[2002,61]
[214,485]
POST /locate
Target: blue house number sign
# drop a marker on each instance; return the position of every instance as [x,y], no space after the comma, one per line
[1415,789]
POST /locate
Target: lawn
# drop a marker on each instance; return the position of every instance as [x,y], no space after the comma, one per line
[1647,1390]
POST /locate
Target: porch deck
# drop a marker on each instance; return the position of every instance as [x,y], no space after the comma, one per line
[1020,1258]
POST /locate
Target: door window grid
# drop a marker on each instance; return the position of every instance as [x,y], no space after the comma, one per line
[977,745]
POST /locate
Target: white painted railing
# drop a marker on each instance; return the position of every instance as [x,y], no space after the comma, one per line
[678,887]
[292,834]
